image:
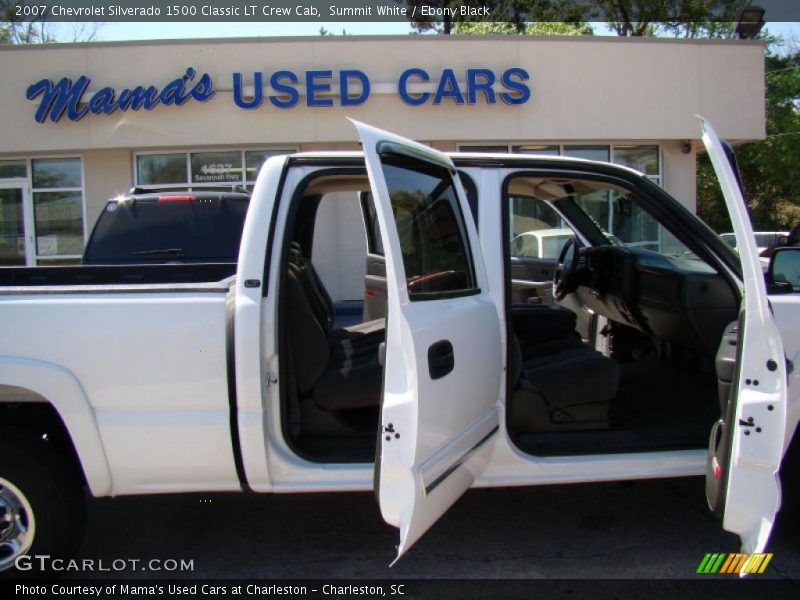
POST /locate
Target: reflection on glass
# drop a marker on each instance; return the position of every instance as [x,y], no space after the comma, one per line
[544,149]
[530,214]
[161,169]
[587,152]
[59,223]
[431,232]
[12,168]
[216,167]
[56,173]
[12,232]
[786,267]
[478,148]
[254,160]
[641,158]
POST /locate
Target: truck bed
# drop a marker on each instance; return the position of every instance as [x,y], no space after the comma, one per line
[96,275]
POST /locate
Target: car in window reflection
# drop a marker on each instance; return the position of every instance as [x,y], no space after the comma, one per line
[764,239]
[541,243]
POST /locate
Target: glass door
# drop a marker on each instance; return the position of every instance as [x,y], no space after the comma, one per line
[15,235]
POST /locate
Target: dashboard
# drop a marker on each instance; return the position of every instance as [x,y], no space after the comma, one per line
[677,299]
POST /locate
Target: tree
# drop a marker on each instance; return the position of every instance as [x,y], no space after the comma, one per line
[674,18]
[536,28]
[504,15]
[39,30]
[768,167]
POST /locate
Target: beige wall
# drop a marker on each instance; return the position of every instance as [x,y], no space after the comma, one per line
[604,88]
[678,173]
[107,173]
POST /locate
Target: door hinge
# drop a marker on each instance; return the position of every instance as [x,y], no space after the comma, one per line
[270,379]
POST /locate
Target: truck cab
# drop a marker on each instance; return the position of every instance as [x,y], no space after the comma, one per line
[647,350]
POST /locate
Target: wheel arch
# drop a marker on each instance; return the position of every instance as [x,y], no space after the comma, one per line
[26,381]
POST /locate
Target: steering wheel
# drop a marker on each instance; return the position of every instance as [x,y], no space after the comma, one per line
[564,274]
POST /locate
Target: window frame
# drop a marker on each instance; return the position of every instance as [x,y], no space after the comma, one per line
[188,185]
[29,213]
[657,179]
[460,222]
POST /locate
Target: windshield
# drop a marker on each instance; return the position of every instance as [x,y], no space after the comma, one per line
[613,209]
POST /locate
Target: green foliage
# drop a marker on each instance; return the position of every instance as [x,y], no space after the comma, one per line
[506,28]
[768,167]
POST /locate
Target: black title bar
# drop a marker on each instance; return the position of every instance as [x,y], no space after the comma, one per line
[282,11]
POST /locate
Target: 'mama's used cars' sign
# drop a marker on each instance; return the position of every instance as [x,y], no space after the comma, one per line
[281,89]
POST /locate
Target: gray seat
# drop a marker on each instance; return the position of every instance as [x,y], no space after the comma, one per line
[562,385]
[338,368]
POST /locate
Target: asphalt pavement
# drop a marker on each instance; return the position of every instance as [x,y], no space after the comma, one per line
[643,529]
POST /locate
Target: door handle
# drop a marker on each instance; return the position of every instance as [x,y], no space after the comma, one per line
[441,359]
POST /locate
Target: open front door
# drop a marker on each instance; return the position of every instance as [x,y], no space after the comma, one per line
[746,445]
[443,363]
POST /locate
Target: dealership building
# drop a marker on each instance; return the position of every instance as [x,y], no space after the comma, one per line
[82,123]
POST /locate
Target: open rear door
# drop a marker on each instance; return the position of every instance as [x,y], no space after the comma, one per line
[443,364]
[746,445]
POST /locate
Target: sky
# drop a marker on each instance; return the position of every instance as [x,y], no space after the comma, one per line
[154,31]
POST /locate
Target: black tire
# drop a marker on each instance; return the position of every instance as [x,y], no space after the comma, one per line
[48,483]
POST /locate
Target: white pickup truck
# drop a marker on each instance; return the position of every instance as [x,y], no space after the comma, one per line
[663,361]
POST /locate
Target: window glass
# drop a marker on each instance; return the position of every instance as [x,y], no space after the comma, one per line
[431,229]
[13,168]
[641,158]
[161,169]
[483,148]
[57,173]
[12,232]
[633,226]
[373,229]
[615,211]
[254,160]
[216,167]
[587,152]
[548,150]
[536,230]
[206,229]
[598,206]
[58,222]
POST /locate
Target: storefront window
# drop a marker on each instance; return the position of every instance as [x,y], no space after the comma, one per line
[480,148]
[59,223]
[536,149]
[51,173]
[641,158]
[158,169]
[588,152]
[13,168]
[216,167]
[57,207]
[212,169]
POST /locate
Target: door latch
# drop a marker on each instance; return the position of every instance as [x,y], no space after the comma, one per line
[270,379]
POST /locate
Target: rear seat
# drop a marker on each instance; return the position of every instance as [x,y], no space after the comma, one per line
[339,368]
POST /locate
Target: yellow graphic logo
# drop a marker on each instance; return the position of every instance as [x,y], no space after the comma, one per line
[734,563]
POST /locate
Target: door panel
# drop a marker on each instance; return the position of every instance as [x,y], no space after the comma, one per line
[532,280]
[443,361]
[375,273]
[375,286]
[747,444]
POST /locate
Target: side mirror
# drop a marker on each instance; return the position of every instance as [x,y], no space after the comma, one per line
[783,275]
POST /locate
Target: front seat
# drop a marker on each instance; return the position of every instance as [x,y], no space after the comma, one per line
[566,386]
[339,368]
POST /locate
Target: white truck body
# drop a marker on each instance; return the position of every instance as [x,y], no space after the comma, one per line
[168,388]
